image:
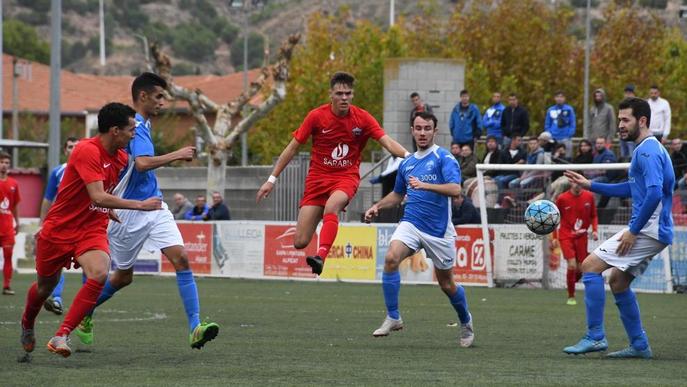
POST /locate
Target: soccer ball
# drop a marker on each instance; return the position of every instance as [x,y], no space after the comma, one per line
[542,217]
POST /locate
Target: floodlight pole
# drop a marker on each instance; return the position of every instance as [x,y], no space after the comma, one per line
[587,44]
[101,14]
[244,135]
[55,65]
[2,107]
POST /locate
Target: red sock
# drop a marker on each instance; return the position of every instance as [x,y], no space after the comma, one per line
[34,303]
[7,268]
[330,226]
[571,278]
[83,303]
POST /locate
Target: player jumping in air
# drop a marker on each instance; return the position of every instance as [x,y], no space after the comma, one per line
[75,229]
[578,212]
[9,220]
[628,253]
[157,228]
[429,178]
[339,133]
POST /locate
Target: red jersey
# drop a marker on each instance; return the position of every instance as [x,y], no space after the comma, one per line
[73,214]
[337,142]
[9,198]
[577,213]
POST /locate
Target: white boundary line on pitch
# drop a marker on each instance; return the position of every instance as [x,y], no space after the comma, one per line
[154,317]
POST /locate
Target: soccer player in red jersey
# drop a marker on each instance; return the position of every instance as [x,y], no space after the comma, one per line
[339,132]
[9,219]
[75,229]
[578,212]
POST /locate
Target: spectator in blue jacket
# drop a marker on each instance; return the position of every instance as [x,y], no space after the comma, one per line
[465,121]
[491,120]
[199,211]
[560,122]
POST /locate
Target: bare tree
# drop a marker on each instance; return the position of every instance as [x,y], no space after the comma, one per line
[231,118]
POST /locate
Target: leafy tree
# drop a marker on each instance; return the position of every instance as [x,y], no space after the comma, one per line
[193,41]
[22,40]
[256,44]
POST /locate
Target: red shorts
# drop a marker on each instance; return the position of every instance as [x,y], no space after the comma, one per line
[318,188]
[7,240]
[51,257]
[575,248]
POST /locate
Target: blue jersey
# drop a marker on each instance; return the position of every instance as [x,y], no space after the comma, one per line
[137,185]
[54,182]
[651,167]
[429,212]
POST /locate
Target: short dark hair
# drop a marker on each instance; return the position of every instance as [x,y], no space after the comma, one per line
[426,116]
[490,137]
[654,87]
[5,156]
[414,94]
[513,95]
[559,92]
[146,82]
[640,108]
[463,92]
[114,114]
[343,78]
[68,140]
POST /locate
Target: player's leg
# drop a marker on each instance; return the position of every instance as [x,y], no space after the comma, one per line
[626,301]
[38,292]
[391,286]
[7,269]
[54,302]
[456,295]
[336,203]
[308,218]
[568,251]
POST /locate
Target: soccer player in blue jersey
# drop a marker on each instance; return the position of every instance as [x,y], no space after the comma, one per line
[156,228]
[429,178]
[628,253]
[54,302]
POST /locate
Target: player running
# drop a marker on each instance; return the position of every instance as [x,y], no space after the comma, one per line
[54,302]
[578,212]
[339,133]
[157,228]
[628,253]
[74,231]
[9,220]
[429,178]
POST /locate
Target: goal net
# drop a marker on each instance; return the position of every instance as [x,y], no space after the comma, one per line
[502,192]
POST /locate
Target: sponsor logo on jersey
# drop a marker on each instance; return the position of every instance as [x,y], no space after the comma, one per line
[5,204]
[339,154]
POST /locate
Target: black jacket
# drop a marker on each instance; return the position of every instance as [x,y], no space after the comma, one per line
[465,214]
[515,121]
[219,212]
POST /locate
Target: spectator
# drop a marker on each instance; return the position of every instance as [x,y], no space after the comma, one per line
[467,161]
[584,153]
[515,120]
[463,211]
[629,91]
[492,156]
[513,155]
[419,106]
[547,143]
[198,211]
[491,120]
[602,118]
[388,175]
[219,210]
[181,206]
[679,159]
[626,147]
[558,157]
[455,150]
[603,156]
[465,121]
[660,114]
[532,179]
[560,122]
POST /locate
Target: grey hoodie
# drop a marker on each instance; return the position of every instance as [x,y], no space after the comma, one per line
[601,119]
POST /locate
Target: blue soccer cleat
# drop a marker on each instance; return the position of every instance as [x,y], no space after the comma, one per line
[587,345]
[631,353]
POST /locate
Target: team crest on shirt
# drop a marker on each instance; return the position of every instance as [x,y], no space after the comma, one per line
[5,204]
[430,165]
[357,131]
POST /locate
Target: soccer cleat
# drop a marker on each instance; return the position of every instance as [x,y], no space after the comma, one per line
[7,292]
[203,333]
[53,305]
[85,330]
[587,345]
[467,334]
[631,353]
[60,346]
[28,339]
[316,264]
[389,325]
[571,301]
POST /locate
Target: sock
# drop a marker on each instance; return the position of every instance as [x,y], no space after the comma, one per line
[189,296]
[330,226]
[57,292]
[594,300]
[391,286]
[460,304]
[107,292]
[578,276]
[7,268]
[629,314]
[83,303]
[34,303]
[571,278]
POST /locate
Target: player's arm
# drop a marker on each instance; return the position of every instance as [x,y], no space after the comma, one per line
[284,159]
[45,206]
[147,163]
[391,200]
[595,221]
[15,213]
[393,146]
[100,198]
[446,189]
[621,190]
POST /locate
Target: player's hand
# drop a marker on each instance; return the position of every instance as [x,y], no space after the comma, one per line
[415,183]
[577,178]
[151,204]
[264,191]
[113,216]
[371,213]
[595,235]
[187,153]
[627,240]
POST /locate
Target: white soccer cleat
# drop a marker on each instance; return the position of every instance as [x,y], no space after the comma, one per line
[388,326]
[467,334]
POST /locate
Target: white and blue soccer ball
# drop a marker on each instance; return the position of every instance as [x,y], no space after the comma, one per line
[542,217]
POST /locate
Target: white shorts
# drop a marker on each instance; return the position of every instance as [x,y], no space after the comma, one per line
[442,251]
[156,229]
[636,260]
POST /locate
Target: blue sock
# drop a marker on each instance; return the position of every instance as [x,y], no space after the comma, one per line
[83,278]
[57,292]
[391,285]
[594,300]
[106,294]
[189,296]
[460,304]
[629,314]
